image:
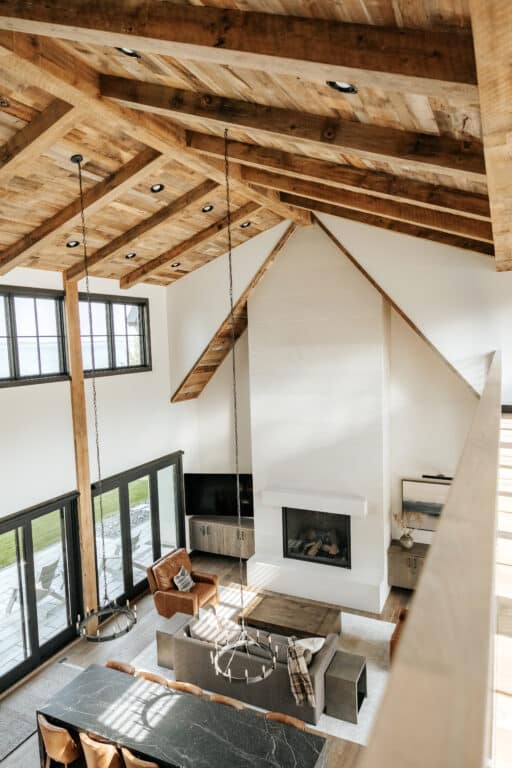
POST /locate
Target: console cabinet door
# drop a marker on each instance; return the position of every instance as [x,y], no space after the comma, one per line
[404,569]
[196,534]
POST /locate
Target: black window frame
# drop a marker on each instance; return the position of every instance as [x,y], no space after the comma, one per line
[10,292]
[109,300]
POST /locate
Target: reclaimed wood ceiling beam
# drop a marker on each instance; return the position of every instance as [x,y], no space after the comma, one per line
[377,183]
[492,29]
[414,230]
[422,151]
[443,221]
[392,303]
[199,238]
[222,341]
[161,218]
[432,62]
[48,65]
[95,198]
[27,144]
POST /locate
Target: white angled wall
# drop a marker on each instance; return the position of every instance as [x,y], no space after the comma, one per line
[454,296]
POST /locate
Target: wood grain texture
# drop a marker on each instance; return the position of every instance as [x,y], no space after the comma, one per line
[392,209]
[162,217]
[442,666]
[222,342]
[81,445]
[388,58]
[423,150]
[492,30]
[412,325]
[211,232]
[381,184]
[414,230]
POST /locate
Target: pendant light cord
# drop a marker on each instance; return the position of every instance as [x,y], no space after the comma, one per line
[93,379]
[233,362]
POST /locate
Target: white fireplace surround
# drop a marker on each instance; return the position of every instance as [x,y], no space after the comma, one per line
[316,501]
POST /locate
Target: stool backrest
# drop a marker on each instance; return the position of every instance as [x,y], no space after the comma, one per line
[100,754]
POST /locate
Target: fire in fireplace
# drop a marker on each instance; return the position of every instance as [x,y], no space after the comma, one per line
[318,537]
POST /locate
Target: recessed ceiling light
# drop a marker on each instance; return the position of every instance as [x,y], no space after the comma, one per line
[245,224]
[339,85]
[207,208]
[72,243]
[157,187]
[175,264]
[130,255]
[129,52]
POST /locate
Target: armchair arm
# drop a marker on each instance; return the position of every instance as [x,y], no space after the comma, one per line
[171,602]
[206,578]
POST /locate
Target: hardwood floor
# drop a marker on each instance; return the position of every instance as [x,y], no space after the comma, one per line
[342,754]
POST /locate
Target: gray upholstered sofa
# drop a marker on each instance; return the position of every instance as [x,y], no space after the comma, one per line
[192,664]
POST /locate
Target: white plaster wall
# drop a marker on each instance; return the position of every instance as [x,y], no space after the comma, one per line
[318,362]
[136,424]
[196,306]
[454,296]
[431,411]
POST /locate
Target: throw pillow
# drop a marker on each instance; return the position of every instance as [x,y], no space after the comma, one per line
[313,644]
[183,580]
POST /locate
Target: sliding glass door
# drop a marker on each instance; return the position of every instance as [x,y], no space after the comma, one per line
[40,594]
[143,517]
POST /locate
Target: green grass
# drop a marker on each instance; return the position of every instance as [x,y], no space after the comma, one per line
[46,529]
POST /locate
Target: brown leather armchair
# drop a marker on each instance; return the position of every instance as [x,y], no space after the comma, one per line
[168,599]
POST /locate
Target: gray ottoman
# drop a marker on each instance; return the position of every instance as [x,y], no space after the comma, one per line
[165,631]
[345,686]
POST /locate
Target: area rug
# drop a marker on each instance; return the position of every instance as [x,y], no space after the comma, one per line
[18,711]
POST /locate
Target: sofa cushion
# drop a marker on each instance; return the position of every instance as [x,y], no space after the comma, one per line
[167,568]
[183,580]
[278,641]
[213,629]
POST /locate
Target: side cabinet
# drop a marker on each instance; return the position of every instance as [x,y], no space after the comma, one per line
[221,537]
[405,565]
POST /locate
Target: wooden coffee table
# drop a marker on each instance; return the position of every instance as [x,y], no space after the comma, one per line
[292,616]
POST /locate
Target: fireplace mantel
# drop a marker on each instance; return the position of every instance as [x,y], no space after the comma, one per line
[335,503]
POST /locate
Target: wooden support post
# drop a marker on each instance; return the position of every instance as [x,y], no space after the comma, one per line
[83,475]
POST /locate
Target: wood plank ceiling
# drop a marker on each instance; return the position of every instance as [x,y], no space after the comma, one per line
[404,151]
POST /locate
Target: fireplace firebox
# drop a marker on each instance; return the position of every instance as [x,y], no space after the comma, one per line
[318,537]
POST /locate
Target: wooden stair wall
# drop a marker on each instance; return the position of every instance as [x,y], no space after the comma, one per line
[222,341]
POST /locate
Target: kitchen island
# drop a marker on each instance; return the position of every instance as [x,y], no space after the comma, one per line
[178,730]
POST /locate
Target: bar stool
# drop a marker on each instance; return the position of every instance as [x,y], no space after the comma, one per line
[153,677]
[177,685]
[279,717]
[121,666]
[100,754]
[131,761]
[58,743]
[227,701]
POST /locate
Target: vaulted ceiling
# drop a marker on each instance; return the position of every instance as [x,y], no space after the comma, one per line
[404,151]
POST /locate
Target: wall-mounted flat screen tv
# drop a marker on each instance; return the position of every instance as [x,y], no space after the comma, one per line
[212,494]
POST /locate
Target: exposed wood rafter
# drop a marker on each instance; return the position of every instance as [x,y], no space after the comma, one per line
[402,189]
[161,218]
[431,61]
[421,151]
[222,341]
[378,206]
[200,238]
[392,303]
[101,194]
[396,226]
[36,137]
[492,31]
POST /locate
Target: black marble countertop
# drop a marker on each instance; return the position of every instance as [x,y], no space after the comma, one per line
[179,730]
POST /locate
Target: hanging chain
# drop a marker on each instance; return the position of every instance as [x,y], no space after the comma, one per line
[233,361]
[94,393]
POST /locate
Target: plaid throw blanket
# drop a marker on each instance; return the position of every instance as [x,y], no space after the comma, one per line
[300,681]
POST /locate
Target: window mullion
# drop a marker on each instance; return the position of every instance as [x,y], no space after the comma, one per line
[110,336]
[37,338]
[13,345]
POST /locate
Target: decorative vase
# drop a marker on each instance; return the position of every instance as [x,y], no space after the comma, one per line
[406,540]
